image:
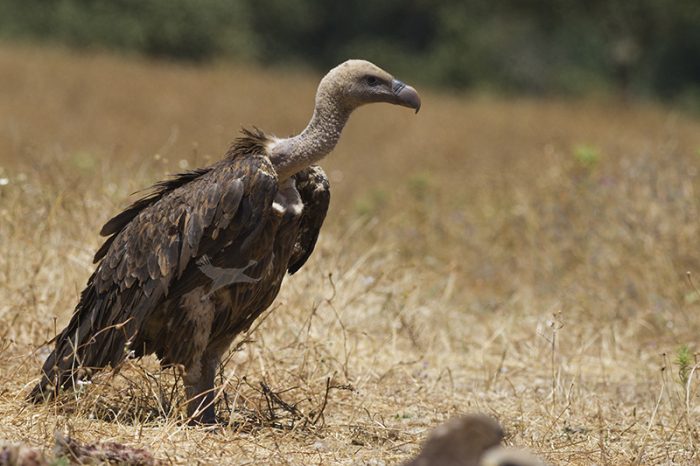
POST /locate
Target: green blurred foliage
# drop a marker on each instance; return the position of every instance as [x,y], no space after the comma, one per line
[635,47]
[586,156]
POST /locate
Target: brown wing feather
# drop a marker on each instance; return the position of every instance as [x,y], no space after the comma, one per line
[314,190]
[121,220]
[154,244]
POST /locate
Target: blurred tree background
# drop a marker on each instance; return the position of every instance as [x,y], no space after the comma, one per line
[632,47]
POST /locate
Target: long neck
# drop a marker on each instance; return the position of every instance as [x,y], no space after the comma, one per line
[320,136]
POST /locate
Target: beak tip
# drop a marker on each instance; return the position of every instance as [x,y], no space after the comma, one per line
[406,95]
[416,103]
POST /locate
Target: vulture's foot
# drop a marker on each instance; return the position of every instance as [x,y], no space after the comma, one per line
[204,421]
[200,407]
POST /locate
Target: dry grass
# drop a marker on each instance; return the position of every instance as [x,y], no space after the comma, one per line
[523,258]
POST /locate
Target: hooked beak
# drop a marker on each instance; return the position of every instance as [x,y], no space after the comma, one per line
[405,95]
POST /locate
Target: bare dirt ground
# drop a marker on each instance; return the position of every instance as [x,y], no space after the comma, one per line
[523,258]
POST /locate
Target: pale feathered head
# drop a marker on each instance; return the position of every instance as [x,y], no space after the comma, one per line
[357,82]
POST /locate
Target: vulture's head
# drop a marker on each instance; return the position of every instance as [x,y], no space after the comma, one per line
[462,440]
[358,82]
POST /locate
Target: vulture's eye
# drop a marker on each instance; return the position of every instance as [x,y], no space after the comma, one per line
[372,80]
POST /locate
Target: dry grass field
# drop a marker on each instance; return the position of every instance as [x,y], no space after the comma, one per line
[536,260]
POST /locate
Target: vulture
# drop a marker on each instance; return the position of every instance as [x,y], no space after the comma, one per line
[470,440]
[193,263]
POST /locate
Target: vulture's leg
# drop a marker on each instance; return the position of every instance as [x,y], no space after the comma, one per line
[200,394]
[204,403]
[200,366]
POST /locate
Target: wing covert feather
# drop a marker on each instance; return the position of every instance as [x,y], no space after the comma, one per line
[160,241]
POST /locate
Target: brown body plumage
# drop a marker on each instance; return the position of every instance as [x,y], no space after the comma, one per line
[190,266]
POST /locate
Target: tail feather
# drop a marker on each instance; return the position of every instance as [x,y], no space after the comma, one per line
[44,390]
[92,340]
[63,367]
